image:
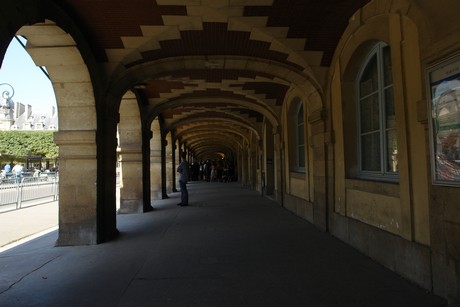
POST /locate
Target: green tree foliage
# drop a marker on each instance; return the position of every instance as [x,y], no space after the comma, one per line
[15,145]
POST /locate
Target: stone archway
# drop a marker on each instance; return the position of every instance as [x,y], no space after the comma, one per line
[52,47]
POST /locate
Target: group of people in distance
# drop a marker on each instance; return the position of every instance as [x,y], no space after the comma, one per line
[212,171]
[16,171]
[208,171]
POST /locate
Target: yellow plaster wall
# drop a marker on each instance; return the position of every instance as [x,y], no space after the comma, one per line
[381,211]
[298,185]
[421,34]
[380,22]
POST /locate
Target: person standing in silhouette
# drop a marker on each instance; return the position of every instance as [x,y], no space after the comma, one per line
[183,169]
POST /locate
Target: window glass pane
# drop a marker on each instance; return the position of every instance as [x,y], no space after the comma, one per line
[300,138]
[300,135]
[392,152]
[387,72]
[389,109]
[300,115]
[370,114]
[301,156]
[370,152]
[369,79]
[377,121]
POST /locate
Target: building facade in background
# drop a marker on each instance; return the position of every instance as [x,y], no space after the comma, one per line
[17,116]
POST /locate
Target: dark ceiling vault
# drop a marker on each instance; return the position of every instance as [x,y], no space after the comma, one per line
[208,55]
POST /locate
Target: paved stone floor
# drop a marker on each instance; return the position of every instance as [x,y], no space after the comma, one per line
[230,247]
[19,225]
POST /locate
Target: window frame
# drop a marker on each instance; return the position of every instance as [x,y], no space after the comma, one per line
[383,174]
[298,144]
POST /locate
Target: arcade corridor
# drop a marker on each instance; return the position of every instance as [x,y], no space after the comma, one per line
[230,247]
[346,114]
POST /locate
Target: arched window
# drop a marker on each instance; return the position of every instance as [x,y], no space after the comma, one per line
[296,136]
[300,138]
[377,142]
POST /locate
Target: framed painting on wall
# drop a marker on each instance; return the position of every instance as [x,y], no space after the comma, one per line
[444,104]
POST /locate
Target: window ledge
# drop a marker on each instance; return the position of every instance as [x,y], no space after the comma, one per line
[298,174]
[373,186]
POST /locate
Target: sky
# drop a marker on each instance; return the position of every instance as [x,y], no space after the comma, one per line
[31,86]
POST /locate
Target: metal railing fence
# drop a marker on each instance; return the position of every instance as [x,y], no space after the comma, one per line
[16,193]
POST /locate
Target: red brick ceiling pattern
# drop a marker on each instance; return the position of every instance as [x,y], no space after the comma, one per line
[214,39]
[106,21]
[319,23]
[213,75]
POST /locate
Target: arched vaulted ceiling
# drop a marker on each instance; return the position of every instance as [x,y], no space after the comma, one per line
[213,70]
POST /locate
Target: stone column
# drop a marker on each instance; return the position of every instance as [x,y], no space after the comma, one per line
[169,164]
[106,175]
[146,137]
[155,161]
[130,156]
[87,200]
[320,157]
[278,165]
[176,163]
[245,166]
[253,163]
[164,190]
[239,164]
[77,187]
[268,160]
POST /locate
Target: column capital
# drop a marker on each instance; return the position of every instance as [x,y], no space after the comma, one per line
[77,144]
